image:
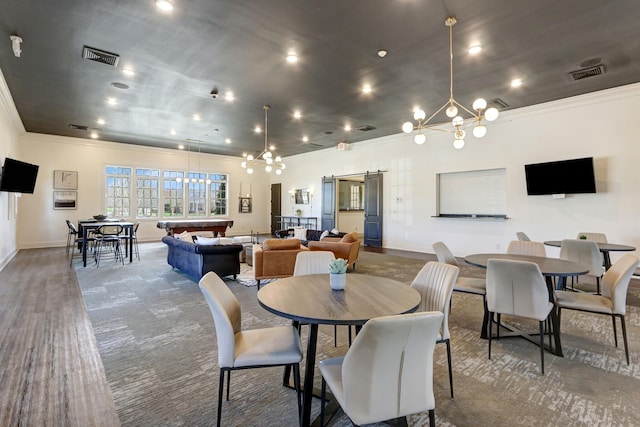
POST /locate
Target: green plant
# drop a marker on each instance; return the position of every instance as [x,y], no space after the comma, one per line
[299,212]
[583,237]
[338,266]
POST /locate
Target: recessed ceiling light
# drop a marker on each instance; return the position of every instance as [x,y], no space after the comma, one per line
[180,147]
[367,88]
[347,127]
[164,5]
[257,129]
[305,138]
[516,82]
[272,147]
[100,121]
[94,135]
[228,96]
[292,58]
[196,117]
[244,154]
[475,49]
[227,140]
[112,101]
[297,114]
[172,132]
[382,53]
[128,72]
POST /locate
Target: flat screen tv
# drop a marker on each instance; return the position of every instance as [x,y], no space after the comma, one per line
[562,177]
[18,177]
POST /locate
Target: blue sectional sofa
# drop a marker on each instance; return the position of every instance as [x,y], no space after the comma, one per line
[197,260]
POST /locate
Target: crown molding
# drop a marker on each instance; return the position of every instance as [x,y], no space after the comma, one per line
[6,102]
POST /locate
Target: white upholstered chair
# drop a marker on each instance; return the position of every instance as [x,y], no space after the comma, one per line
[522,236]
[517,288]
[388,371]
[596,237]
[526,247]
[469,285]
[312,262]
[256,348]
[316,262]
[612,302]
[435,283]
[584,252]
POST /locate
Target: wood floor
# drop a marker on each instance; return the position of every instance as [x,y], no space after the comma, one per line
[50,369]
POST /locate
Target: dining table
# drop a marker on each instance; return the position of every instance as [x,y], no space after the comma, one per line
[605,248]
[310,300]
[88,225]
[550,268]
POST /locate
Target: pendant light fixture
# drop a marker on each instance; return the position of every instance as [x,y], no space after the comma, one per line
[273,163]
[480,113]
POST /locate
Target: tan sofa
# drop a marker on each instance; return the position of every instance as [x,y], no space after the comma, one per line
[275,258]
[347,247]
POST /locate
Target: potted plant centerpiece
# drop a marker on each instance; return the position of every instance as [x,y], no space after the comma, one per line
[583,237]
[299,212]
[338,274]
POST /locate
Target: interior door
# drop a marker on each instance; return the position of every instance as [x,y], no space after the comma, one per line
[328,211]
[276,207]
[373,209]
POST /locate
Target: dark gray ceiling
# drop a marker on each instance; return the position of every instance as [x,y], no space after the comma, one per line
[240,45]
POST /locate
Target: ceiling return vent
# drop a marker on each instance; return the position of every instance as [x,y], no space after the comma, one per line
[97,55]
[78,127]
[587,72]
[366,128]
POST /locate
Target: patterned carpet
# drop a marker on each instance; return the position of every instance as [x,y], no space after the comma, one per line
[157,342]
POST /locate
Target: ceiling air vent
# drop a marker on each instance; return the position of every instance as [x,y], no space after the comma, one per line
[366,128]
[498,103]
[587,72]
[78,127]
[97,55]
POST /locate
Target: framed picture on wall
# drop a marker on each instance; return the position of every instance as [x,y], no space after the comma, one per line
[65,200]
[65,180]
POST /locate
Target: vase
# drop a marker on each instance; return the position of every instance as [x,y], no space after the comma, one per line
[337,281]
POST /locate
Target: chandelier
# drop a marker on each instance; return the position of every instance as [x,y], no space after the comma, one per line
[479,114]
[273,163]
[193,180]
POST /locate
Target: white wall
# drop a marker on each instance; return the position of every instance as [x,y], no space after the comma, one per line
[10,128]
[39,225]
[603,125]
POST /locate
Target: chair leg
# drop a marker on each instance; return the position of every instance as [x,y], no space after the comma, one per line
[228,383]
[335,335]
[615,332]
[542,346]
[598,285]
[432,417]
[498,326]
[323,395]
[624,338]
[296,382]
[220,391]
[490,331]
[448,342]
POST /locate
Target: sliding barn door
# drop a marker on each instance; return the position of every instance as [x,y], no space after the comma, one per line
[373,209]
[328,212]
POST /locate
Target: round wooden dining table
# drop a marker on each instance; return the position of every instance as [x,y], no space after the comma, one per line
[310,300]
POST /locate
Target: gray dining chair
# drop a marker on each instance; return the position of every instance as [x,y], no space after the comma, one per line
[247,349]
[526,247]
[612,302]
[388,371]
[584,252]
[435,283]
[517,288]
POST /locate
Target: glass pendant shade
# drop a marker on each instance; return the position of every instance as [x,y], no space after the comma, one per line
[458,143]
[419,114]
[479,104]
[407,127]
[420,139]
[452,111]
[250,171]
[479,131]
[458,121]
[491,114]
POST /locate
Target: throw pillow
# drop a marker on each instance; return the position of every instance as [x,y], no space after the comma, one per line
[203,233]
[199,240]
[185,235]
[324,234]
[335,231]
[300,233]
[349,238]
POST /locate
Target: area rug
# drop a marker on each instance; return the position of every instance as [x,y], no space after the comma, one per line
[157,341]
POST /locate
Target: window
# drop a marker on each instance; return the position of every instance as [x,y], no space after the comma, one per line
[147,185]
[197,194]
[172,193]
[118,191]
[218,202]
[350,195]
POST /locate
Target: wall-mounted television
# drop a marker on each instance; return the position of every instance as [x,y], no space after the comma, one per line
[18,177]
[563,177]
